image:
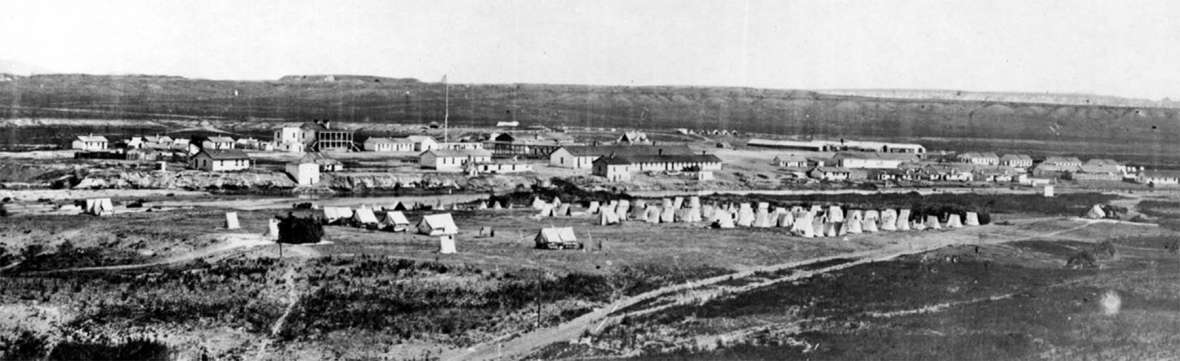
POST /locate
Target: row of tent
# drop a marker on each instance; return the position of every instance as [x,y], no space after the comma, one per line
[389,220]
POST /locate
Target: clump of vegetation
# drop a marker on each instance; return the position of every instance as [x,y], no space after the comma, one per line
[296,230]
[101,348]
[24,346]
[1082,260]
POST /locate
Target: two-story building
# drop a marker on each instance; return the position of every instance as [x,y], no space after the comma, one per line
[90,143]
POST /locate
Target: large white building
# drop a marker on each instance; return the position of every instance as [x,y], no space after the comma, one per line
[583,156]
[620,168]
[304,173]
[90,142]
[380,144]
[290,139]
[447,160]
[869,160]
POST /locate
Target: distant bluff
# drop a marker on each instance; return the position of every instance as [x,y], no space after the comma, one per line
[346,78]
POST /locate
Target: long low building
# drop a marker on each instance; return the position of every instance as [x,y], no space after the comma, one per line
[583,156]
[839,145]
[621,168]
[448,160]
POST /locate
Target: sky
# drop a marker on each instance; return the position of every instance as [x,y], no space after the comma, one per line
[1127,48]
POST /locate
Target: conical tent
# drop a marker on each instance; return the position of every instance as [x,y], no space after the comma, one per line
[972,219]
[652,214]
[852,224]
[639,210]
[538,203]
[606,217]
[694,202]
[482,205]
[831,229]
[437,225]
[556,201]
[231,220]
[724,220]
[666,203]
[932,222]
[953,221]
[764,205]
[272,229]
[803,225]
[869,225]
[919,226]
[784,219]
[692,215]
[708,212]
[594,207]
[835,214]
[396,206]
[889,220]
[820,225]
[667,214]
[1096,212]
[497,206]
[903,220]
[609,207]
[745,216]
[546,210]
[762,218]
[562,210]
[623,210]
[678,202]
[873,214]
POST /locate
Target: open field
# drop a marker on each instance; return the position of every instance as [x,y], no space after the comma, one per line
[187,283]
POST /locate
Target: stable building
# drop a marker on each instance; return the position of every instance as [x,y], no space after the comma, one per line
[446,160]
[617,168]
[583,156]
[220,160]
[381,144]
[90,143]
[1016,161]
[976,158]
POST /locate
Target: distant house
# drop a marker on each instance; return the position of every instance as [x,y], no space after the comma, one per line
[446,160]
[1016,161]
[292,139]
[633,137]
[998,174]
[1100,169]
[304,173]
[790,161]
[460,145]
[512,124]
[869,160]
[251,143]
[220,160]
[1158,178]
[976,158]
[1057,166]
[217,143]
[620,167]
[90,142]
[947,173]
[496,167]
[422,143]
[322,137]
[583,156]
[830,174]
[379,144]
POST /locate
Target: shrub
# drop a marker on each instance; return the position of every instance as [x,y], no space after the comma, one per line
[297,230]
[1083,259]
[26,346]
[133,349]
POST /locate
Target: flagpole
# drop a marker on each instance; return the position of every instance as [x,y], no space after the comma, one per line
[446,108]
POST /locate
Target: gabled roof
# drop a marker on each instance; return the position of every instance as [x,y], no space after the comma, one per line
[875,155]
[221,139]
[452,153]
[317,158]
[421,138]
[440,222]
[653,158]
[1016,157]
[556,235]
[224,154]
[1062,160]
[383,140]
[92,138]
[792,158]
[625,150]
[832,170]
[975,155]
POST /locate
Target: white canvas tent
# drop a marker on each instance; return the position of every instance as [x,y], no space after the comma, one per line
[745,216]
[932,222]
[231,220]
[972,219]
[803,225]
[723,220]
[783,218]
[953,221]
[889,220]
[853,224]
[869,225]
[835,214]
[482,205]
[562,210]
[639,210]
[272,229]
[556,238]
[623,209]
[903,220]
[652,214]
[437,225]
[99,207]
[678,202]
[538,203]
[497,205]
[668,214]
[446,244]
[334,215]
[708,212]
[1096,212]
[556,201]
[594,207]
[395,221]
[762,217]
[820,225]
[396,206]
[364,217]
[606,217]
[694,202]
[546,210]
[919,226]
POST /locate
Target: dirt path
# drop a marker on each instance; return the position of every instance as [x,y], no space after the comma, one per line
[531,341]
[294,294]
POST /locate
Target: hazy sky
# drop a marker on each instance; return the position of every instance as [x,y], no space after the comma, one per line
[1129,48]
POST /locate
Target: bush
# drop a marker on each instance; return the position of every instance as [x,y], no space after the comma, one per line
[26,346]
[1083,259]
[133,349]
[295,230]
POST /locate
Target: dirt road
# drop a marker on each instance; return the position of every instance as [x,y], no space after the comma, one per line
[530,342]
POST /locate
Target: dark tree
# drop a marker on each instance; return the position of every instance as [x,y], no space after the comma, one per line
[295,230]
